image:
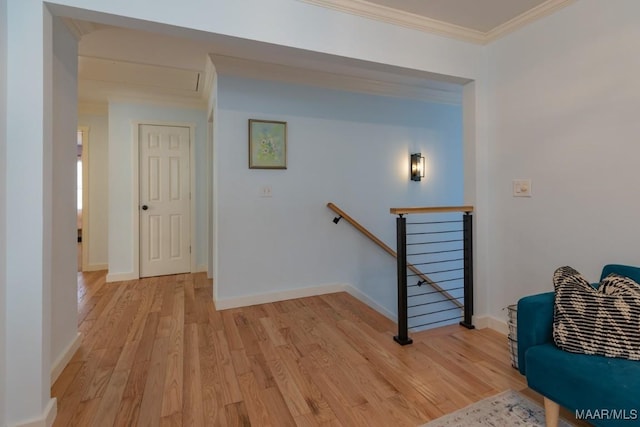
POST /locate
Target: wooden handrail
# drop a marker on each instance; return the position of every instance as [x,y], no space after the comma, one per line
[361,229]
[393,253]
[440,209]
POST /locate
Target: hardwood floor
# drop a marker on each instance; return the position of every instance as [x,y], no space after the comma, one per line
[155,352]
[79,254]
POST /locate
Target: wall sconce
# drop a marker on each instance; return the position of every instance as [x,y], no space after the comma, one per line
[417,167]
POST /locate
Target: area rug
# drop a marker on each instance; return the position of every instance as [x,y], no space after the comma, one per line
[509,408]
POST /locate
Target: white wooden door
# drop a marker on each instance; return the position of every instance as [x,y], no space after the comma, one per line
[165,193]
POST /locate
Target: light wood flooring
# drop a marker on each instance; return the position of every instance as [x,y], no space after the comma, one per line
[155,352]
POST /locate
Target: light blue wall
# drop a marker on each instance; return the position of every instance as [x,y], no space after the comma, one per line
[3,239]
[121,116]
[350,149]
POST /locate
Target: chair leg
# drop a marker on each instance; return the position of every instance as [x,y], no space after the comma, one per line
[551,412]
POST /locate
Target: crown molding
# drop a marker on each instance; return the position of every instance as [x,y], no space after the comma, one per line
[544,9]
[422,23]
[402,18]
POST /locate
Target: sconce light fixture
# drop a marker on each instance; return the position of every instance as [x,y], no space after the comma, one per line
[417,167]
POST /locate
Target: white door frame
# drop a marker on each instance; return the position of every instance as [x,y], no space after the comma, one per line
[85,198]
[135,130]
[210,188]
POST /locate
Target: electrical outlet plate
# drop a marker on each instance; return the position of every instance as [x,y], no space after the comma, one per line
[521,188]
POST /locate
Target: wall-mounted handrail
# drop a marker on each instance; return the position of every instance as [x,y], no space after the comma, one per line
[361,229]
[391,252]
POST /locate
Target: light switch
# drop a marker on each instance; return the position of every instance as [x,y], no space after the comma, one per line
[265,191]
[521,188]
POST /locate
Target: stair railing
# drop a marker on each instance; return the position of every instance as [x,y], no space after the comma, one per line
[343,215]
[444,247]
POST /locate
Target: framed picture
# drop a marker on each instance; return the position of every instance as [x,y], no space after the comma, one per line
[267,144]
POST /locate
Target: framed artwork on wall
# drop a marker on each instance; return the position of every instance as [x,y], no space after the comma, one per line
[267,144]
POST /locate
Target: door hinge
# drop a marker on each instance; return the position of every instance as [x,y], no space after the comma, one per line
[189,249]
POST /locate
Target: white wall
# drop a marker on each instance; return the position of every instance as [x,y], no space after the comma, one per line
[3,241]
[294,24]
[64,236]
[121,208]
[28,220]
[346,148]
[98,143]
[565,101]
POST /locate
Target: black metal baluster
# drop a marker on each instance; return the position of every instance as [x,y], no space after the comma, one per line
[467,224]
[401,238]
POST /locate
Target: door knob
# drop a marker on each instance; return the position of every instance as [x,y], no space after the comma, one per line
[145,207]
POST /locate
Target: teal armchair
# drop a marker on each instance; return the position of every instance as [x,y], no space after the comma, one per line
[602,390]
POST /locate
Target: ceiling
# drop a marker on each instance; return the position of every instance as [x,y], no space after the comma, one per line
[116,62]
[476,21]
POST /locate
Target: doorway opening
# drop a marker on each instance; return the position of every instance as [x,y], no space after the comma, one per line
[82,196]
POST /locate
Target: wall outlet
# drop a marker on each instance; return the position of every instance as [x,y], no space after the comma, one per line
[266,191]
[521,188]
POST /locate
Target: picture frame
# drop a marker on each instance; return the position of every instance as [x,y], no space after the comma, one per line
[267,144]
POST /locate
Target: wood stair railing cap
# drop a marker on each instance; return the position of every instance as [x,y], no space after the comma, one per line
[426,210]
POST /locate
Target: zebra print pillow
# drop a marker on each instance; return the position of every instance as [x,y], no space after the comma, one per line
[590,321]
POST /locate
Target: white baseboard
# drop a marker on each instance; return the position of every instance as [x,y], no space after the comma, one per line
[499,325]
[356,293]
[226,303]
[46,419]
[62,361]
[120,277]
[223,304]
[201,268]
[95,267]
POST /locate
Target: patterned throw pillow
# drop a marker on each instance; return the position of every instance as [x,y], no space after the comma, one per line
[614,284]
[603,321]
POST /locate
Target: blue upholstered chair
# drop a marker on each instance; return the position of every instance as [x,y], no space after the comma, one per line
[604,390]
